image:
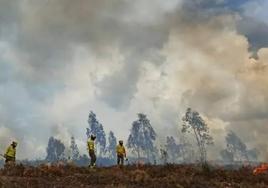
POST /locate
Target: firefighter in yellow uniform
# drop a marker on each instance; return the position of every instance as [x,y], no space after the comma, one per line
[10,154]
[121,153]
[91,150]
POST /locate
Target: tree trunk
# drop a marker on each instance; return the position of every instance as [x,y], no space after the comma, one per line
[138,152]
[199,146]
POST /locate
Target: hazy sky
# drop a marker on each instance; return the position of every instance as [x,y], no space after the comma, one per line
[59,59]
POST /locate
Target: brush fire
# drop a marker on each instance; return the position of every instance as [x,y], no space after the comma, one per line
[263,168]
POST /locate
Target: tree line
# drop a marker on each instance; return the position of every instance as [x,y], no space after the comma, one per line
[190,146]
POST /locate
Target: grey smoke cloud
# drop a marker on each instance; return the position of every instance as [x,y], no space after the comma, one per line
[60,59]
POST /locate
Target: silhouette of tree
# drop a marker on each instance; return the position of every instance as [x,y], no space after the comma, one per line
[55,150]
[96,129]
[193,121]
[142,137]
[237,150]
[172,148]
[74,150]
[111,146]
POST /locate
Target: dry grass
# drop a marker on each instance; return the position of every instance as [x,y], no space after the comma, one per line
[131,176]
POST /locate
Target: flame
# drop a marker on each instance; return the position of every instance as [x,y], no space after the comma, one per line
[261,169]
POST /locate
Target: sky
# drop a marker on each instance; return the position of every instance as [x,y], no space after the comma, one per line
[60,59]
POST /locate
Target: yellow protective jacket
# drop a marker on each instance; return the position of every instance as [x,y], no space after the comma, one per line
[11,152]
[120,150]
[90,145]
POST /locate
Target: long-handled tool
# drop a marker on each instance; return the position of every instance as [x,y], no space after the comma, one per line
[127,161]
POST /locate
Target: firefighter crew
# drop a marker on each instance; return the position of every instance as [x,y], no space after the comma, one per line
[121,153]
[10,154]
[91,150]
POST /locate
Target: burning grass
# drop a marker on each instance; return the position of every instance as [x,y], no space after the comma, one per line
[261,169]
[181,176]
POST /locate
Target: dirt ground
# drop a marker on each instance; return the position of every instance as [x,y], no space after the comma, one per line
[180,176]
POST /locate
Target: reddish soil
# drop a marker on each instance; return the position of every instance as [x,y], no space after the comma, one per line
[180,176]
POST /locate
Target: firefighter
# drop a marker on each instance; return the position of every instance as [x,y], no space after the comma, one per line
[10,154]
[91,150]
[121,153]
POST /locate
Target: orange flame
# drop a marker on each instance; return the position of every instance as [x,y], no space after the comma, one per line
[261,169]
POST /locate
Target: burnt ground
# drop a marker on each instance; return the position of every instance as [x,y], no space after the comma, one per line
[180,176]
